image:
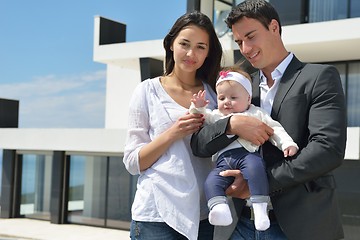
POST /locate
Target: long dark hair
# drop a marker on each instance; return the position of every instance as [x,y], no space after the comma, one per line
[209,70]
[260,10]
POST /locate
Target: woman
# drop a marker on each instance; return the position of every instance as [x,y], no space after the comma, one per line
[169,202]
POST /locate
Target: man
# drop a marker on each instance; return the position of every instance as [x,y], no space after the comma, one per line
[308,100]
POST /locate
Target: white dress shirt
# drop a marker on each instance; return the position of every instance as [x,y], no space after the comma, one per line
[267,94]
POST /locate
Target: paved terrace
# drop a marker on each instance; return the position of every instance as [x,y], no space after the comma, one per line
[29,229]
[26,229]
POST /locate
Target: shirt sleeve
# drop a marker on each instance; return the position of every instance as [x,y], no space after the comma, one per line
[280,139]
[210,116]
[138,129]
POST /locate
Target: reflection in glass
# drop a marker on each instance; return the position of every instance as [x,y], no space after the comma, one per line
[87,190]
[76,184]
[100,191]
[221,11]
[1,159]
[326,10]
[354,8]
[341,67]
[36,186]
[354,95]
[122,188]
[347,181]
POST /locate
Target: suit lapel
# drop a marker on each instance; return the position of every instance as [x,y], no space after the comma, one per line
[288,79]
[256,89]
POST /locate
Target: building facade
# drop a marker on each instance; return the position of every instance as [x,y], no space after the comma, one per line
[77,176]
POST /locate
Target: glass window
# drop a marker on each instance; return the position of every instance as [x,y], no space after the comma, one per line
[326,10]
[1,159]
[341,67]
[121,193]
[101,191]
[353,98]
[290,12]
[76,184]
[347,177]
[36,186]
[354,8]
[239,1]
[221,11]
[87,190]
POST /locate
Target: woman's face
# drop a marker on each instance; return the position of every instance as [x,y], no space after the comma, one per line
[190,48]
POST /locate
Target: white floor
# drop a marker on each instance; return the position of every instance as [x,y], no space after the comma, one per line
[44,230]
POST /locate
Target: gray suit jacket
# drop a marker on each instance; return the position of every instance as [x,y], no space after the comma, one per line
[310,105]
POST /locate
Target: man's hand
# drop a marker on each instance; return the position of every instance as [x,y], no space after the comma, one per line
[250,128]
[239,188]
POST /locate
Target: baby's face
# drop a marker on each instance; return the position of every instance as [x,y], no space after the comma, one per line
[232,97]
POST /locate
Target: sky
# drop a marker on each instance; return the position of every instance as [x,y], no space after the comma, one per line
[46,55]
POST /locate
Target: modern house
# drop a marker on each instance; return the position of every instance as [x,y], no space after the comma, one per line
[77,175]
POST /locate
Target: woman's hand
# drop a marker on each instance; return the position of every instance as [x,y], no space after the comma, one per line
[239,188]
[186,125]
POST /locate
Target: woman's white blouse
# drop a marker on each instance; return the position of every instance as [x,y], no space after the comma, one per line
[171,190]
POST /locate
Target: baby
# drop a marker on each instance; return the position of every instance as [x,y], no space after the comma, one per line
[234,93]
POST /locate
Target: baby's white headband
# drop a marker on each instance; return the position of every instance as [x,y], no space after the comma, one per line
[237,77]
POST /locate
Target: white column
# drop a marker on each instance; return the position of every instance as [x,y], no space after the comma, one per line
[120,84]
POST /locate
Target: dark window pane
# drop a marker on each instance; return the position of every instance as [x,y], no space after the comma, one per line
[341,67]
[347,180]
[326,10]
[90,207]
[353,99]
[354,8]
[290,12]
[120,195]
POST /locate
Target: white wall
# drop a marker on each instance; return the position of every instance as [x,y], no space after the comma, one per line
[120,84]
[353,143]
[76,140]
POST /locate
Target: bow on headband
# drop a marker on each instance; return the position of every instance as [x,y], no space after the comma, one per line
[223,74]
[237,77]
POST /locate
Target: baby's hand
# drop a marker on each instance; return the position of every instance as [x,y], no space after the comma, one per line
[290,151]
[199,99]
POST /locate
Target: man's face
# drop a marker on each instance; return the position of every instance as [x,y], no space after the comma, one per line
[257,43]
